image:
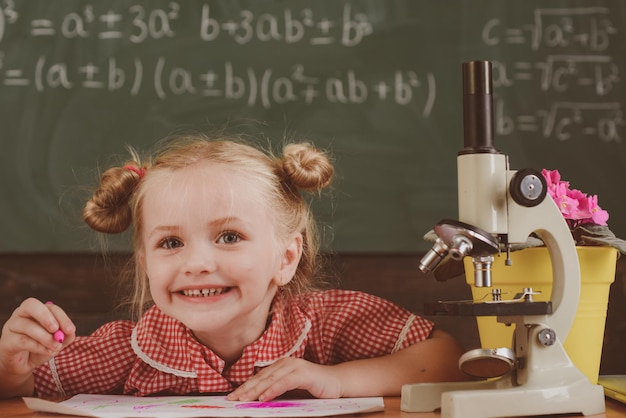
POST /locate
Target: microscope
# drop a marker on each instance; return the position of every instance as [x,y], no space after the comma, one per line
[499,207]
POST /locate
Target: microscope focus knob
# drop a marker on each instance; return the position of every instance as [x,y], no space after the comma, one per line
[546,337]
[528,187]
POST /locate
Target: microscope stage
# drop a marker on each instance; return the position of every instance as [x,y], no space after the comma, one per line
[505,308]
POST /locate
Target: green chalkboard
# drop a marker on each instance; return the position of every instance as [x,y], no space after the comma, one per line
[377,82]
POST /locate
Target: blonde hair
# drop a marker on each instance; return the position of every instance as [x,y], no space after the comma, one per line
[117,202]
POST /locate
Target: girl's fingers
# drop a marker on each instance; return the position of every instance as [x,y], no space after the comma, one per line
[65,324]
[249,390]
[34,324]
[28,335]
[33,309]
[269,383]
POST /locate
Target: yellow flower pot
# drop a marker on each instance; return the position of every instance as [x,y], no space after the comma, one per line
[532,268]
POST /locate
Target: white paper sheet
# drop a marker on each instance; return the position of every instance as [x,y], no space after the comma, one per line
[113,406]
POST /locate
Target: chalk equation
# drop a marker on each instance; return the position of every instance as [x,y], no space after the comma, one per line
[570,50]
[564,120]
[597,74]
[553,56]
[586,28]
[138,24]
[266,87]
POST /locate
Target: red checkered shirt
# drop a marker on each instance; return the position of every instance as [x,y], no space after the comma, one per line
[160,355]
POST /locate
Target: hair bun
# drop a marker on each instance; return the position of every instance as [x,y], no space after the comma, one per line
[307,167]
[108,209]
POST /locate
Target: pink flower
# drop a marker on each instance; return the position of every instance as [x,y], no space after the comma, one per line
[552,177]
[577,207]
[562,197]
[582,211]
[597,215]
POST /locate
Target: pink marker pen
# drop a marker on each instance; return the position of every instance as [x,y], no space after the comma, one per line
[58,336]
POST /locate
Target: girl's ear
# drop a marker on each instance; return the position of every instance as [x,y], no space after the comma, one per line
[290,260]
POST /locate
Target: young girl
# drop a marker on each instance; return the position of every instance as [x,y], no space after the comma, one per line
[225,265]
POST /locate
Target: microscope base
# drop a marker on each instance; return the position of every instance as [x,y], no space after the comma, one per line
[545,382]
[564,391]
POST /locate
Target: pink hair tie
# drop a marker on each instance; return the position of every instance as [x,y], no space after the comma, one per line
[140,171]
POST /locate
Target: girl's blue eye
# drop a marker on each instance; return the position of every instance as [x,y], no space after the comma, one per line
[229,238]
[170,243]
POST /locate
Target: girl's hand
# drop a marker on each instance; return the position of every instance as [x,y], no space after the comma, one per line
[27,341]
[289,374]
[432,360]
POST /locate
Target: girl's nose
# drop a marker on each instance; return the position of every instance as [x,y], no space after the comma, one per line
[199,259]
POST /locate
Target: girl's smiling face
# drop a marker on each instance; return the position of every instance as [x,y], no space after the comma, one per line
[211,253]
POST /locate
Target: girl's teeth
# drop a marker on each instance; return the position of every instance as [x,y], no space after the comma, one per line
[204,292]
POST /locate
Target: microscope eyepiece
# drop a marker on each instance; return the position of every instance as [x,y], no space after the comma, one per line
[477,108]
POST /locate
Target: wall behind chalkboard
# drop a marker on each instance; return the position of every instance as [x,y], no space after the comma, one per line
[377,82]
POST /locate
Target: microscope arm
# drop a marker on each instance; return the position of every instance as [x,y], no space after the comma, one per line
[546,221]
